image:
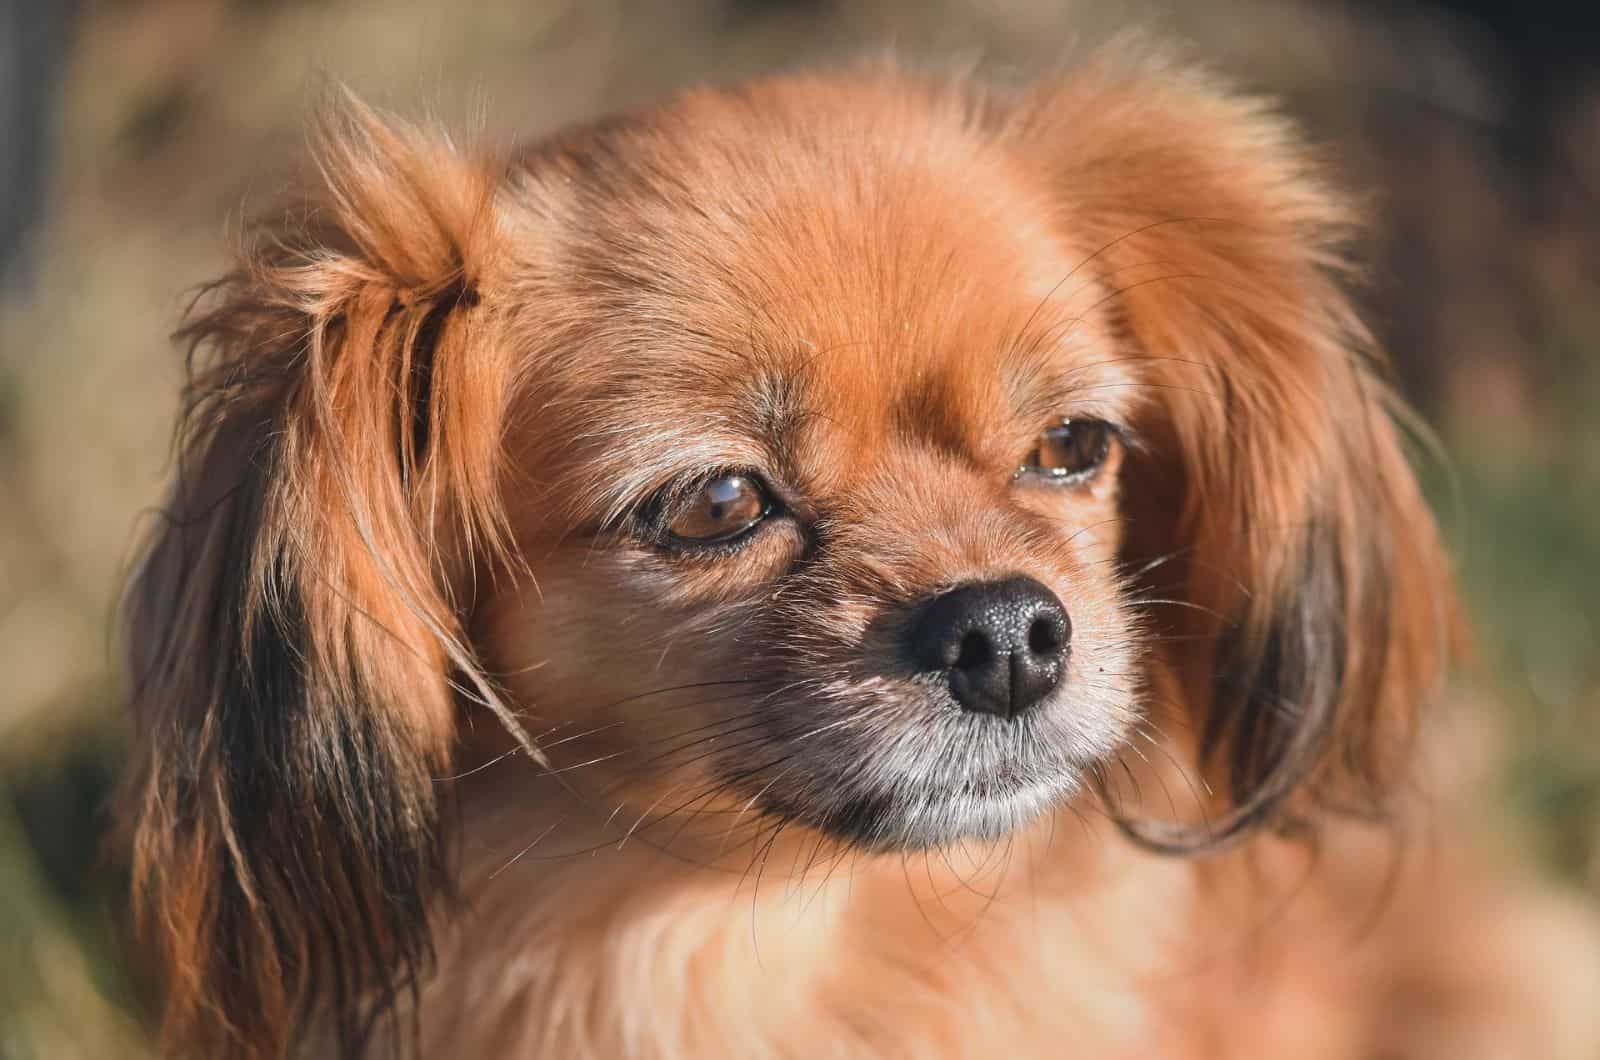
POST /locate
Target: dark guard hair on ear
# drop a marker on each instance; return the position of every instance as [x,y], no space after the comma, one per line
[1287,550]
[295,627]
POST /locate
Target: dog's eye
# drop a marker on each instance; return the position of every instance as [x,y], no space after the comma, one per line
[718,511]
[1069,451]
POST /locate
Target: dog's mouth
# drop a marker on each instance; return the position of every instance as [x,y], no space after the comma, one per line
[975,779]
[914,819]
[883,759]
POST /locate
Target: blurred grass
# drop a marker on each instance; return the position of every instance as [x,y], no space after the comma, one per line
[178,116]
[1527,533]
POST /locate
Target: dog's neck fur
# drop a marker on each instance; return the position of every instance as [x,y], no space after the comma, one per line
[626,950]
[576,939]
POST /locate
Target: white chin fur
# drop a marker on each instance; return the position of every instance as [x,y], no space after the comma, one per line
[937,820]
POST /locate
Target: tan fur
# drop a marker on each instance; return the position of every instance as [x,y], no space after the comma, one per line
[408,539]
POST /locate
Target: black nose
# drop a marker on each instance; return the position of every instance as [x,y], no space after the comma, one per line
[1003,643]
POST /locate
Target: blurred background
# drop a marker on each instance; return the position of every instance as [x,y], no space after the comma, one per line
[135,135]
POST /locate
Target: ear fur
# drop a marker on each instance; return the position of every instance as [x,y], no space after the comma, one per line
[1305,564]
[295,626]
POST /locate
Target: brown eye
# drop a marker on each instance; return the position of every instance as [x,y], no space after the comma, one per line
[720,510]
[1069,451]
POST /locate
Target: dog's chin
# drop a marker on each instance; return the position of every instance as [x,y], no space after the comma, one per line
[915,820]
[921,805]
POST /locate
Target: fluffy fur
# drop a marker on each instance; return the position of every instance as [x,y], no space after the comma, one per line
[441,746]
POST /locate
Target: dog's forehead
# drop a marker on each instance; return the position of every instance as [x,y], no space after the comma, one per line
[748,278]
[866,236]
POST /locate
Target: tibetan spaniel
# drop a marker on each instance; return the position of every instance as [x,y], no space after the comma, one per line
[858,564]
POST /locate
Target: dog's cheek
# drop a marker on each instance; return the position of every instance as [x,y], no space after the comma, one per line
[1105,677]
[1089,518]
[597,657]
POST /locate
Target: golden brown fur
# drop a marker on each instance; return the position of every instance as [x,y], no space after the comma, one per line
[440,748]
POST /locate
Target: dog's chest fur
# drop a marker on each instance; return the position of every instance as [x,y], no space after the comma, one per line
[1063,945]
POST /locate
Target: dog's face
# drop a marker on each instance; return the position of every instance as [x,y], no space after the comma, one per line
[850,453]
[823,514]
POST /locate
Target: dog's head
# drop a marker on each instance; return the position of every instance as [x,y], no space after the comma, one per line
[868,455]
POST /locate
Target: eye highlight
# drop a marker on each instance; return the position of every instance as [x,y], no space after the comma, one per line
[1068,452]
[718,511]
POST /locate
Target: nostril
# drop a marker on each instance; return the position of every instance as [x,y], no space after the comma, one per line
[1043,637]
[975,651]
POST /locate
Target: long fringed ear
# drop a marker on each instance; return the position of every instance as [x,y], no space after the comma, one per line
[1281,515]
[295,628]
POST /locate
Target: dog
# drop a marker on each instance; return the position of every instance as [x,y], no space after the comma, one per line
[858,563]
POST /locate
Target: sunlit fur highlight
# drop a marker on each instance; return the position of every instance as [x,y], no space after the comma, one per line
[436,753]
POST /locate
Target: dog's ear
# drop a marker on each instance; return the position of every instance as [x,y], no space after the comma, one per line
[295,628]
[1275,506]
